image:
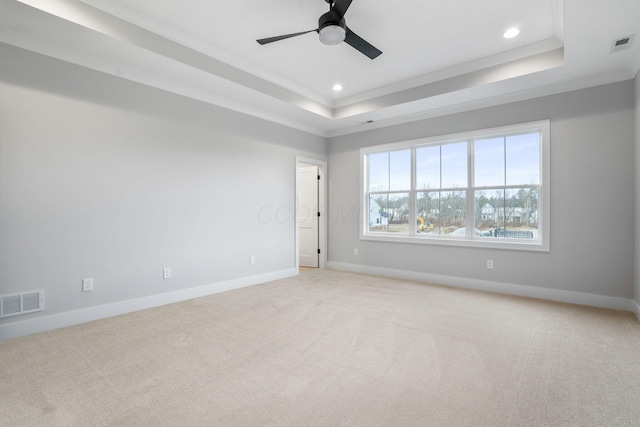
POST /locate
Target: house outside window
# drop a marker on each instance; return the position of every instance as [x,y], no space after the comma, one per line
[486,188]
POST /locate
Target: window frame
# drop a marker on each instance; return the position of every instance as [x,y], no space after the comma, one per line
[544,210]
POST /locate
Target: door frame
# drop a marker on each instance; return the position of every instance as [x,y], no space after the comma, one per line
[322,203]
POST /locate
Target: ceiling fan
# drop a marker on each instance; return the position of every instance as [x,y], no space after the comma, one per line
[333,29]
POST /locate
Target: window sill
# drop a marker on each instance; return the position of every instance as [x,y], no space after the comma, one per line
[483,243]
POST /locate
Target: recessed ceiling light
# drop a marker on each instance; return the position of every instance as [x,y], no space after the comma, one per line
[337,87]
[511,33]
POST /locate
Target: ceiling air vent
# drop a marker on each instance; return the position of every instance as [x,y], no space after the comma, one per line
[22,303]
[623,43]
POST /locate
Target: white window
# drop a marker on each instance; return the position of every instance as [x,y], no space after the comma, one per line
[487,188]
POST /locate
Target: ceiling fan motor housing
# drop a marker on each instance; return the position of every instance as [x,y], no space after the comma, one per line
[332,28]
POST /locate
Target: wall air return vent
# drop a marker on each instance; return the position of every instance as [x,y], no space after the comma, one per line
[22,303]
[622,43]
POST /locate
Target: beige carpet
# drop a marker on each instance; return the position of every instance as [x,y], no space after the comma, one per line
[332,349]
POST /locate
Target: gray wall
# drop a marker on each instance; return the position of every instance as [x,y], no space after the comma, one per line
[637,177]
[592,197]
[104,178]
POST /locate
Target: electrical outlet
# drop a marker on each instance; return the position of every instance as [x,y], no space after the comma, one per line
[87,285]
[166,273]
[252,260]
[355,251]
[489,264]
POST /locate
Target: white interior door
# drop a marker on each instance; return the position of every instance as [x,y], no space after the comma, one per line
[308,219]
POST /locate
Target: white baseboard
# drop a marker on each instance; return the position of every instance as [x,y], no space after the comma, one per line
[60,320]
[498,287]
[636,309]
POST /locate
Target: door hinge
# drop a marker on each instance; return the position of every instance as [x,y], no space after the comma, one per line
[318,213]
[318,177]
[318,250]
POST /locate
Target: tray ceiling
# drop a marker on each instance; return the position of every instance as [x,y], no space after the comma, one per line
[438,58]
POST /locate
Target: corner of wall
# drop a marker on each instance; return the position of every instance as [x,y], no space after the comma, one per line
[637,194]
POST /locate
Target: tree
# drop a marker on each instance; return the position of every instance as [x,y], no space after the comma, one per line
[453,208]
[528,198]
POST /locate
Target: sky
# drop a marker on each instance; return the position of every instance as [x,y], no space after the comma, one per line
[511,160]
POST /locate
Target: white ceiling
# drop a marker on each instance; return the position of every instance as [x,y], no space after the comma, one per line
[438,57]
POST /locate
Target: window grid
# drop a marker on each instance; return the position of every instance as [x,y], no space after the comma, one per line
[472,212]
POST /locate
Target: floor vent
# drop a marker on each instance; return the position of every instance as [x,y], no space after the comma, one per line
[22,303]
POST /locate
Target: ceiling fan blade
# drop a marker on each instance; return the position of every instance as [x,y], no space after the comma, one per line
[341,7]
[286,36]
[361,44]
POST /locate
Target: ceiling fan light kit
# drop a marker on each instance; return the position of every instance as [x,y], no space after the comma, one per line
[332,29]
[332,34]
